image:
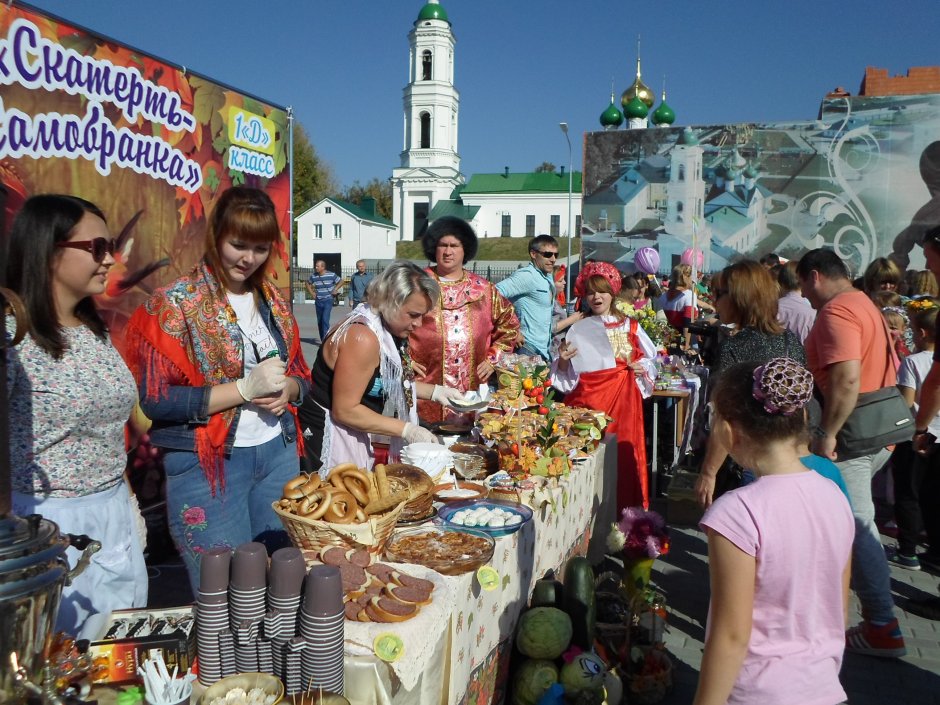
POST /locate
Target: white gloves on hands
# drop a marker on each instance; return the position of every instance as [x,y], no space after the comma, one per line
[445,395]
[417,434]
[266,378]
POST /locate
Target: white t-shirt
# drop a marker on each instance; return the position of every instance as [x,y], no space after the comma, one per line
[913,371]
[255,425]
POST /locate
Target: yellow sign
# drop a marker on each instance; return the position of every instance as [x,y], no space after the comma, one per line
[251,131]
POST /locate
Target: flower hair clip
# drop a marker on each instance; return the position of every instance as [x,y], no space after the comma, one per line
[782,386]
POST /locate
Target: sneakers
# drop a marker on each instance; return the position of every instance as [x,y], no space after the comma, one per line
[931,562]
[885,641]
[906,562]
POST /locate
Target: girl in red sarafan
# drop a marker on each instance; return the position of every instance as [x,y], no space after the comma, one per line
[607,362]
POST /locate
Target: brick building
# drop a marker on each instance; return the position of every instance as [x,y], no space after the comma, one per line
[919,79]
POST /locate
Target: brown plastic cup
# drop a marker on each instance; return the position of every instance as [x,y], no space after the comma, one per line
[286,575]
[214,570]
[250,566]
[324,593]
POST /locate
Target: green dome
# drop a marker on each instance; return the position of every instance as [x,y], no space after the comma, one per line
[688,138]
[664,115]
[612,117]
[433,11]
[636,109]
[751,172]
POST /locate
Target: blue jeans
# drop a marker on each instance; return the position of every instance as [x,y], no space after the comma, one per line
[324,308]
[254,478]
[871,576]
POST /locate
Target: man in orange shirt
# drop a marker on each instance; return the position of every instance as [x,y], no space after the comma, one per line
[848,351]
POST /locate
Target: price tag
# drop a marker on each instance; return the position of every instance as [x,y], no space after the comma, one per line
[488,578]
[388,647]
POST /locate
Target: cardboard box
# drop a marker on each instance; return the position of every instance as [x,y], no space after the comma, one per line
[124,652]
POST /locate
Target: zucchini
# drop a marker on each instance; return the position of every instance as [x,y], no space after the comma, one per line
[580,602]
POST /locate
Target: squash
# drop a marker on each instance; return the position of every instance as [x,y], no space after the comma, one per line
[579,601]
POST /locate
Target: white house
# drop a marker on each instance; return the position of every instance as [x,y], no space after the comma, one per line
[342,233]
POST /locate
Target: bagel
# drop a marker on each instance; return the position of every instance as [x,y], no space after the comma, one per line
[292,488]
[357,484]
[341,468]
[311,485]
[342,509]
[315,505]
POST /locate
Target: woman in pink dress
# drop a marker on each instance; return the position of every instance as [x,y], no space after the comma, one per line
[463,337]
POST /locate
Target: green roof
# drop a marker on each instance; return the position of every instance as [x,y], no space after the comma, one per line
[454,208]
[528,182]
[433,11]
[362,213]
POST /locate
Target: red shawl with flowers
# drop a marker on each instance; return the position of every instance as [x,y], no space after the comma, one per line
[187,334]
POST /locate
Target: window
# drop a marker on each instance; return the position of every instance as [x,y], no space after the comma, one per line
[577,226]
[507,226]
[530,226]
[337,231]
[328,209]
[426,65]
[425,131]
[317,232]
[682,172]
[679,212]
[556,225]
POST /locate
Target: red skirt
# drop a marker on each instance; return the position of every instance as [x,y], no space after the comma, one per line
[614,391]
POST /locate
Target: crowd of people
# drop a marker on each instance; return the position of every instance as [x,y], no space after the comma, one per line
[215,362]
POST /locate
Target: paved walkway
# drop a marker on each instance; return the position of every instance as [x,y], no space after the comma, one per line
[682,576]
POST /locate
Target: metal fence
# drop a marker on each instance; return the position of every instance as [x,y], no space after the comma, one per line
[495,274]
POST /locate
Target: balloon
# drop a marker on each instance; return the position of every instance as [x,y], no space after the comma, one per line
[646,260]
[689,254]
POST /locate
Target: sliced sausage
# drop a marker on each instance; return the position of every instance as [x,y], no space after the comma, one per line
[359,557]
[334,555]
[410,581]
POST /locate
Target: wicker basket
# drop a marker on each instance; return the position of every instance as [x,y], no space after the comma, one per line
[316,534]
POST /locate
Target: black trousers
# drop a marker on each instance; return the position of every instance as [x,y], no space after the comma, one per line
[916,498]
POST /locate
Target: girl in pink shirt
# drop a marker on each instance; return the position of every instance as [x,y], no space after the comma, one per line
[779,552]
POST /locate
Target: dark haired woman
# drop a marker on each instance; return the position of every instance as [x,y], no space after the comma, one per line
[71,394]
[218,363]
[469,328]
[779,551]
[607,362]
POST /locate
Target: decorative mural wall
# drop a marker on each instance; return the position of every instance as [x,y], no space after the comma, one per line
[864,179]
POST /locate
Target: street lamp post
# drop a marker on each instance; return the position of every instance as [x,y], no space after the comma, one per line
[564,129]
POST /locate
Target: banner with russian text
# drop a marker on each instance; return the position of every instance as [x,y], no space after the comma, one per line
[148,142]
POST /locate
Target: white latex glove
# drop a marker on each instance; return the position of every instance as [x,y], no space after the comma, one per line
[417,434]
[266,378]
[445,395]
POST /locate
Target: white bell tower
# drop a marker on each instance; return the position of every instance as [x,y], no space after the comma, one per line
[685,192]
[430,165]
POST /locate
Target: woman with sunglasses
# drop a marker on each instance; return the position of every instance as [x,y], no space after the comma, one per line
[70,396]
[218,363]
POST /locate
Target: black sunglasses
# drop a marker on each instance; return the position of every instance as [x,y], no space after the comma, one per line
[547,255]
[99,247]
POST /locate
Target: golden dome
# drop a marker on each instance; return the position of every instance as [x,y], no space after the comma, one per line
[638,89]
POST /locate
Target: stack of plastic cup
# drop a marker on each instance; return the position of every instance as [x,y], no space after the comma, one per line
[247,602]
[321,625]
[212,612]
[285,585]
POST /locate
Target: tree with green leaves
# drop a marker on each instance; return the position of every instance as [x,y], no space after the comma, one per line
[313,177]
[379,189]
[547,167]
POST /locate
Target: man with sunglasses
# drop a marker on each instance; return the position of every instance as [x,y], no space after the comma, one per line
[531,289]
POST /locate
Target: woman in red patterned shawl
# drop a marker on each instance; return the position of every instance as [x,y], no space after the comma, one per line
[218,364]
[607,362]
[463,337]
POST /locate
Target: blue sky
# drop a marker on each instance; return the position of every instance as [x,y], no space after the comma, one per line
[522,66]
